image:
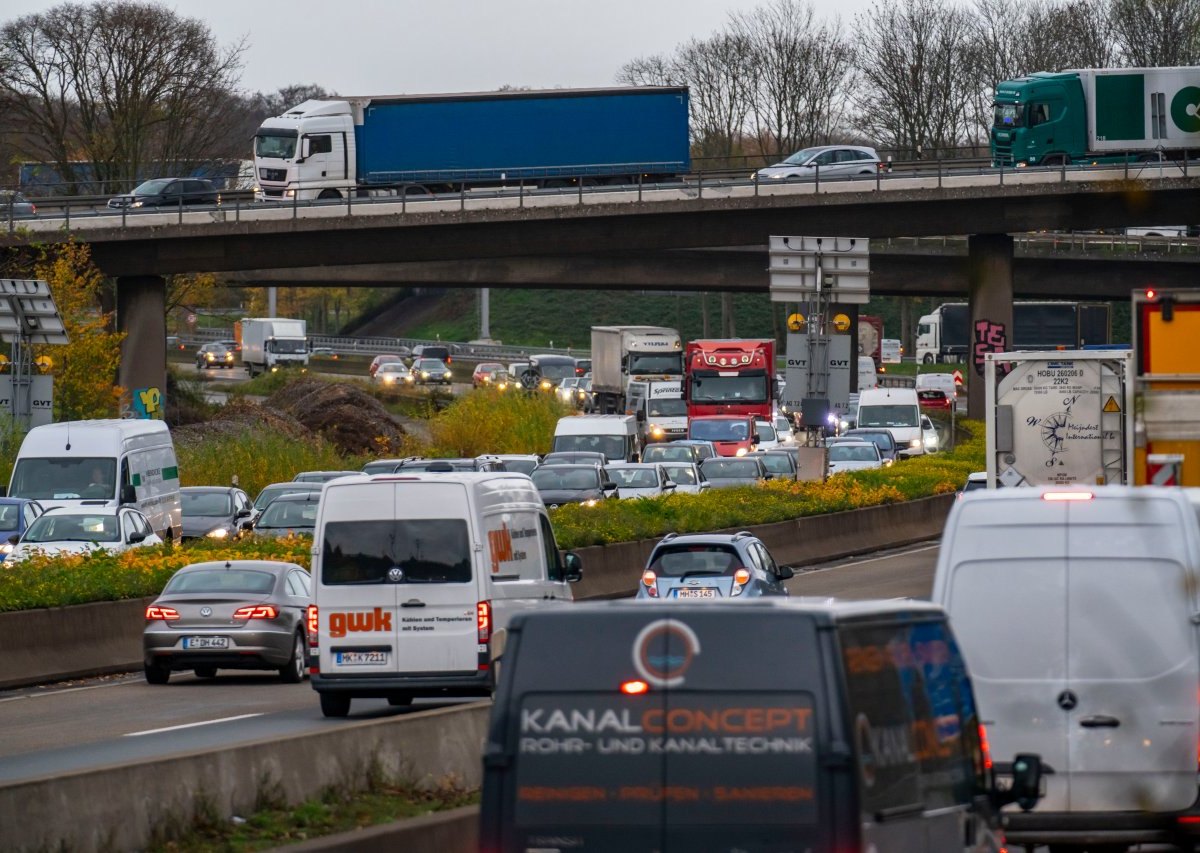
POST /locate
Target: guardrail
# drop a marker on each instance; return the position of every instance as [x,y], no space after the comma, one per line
[1070,241]
[414,195]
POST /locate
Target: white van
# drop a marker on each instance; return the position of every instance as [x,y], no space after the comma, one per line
[416,578]
[867,377]
[1075,611]
[897,411]
[103,463]
[943,382]
[616,436]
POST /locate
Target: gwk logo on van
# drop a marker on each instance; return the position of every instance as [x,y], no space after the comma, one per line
[341,624]
[664,651]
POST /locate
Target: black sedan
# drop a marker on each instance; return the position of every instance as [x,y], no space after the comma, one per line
[427,370]
[578,484]
[240,614]
[168,192]
[289,515]
[214,512]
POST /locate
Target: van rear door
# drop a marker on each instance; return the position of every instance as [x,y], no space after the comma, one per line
[432,544]
[1006,594]
[356,602]
[1132,659]
[668,736]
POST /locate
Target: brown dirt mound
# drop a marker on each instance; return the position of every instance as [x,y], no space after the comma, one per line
[238,415]
[354,421]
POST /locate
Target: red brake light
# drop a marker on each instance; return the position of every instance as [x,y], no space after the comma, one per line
[1150,293]
[313,624]
[156,612]
[256,611]
[634,688]
[1068,496]
[483,620]
[984,748]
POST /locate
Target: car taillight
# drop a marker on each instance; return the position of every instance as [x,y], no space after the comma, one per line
[156,612]
[650,580]
[1068,496]
[984,748]
[741,577]
[483,620]
[635,687]
[256,611]
[313,624]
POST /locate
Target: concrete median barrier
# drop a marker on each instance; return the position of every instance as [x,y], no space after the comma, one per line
[106,636]
[126,806]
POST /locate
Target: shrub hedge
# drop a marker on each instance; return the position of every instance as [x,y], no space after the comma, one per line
[49,582]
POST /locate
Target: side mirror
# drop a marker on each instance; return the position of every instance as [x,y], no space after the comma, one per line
[1026,787]
[14,539]
[641,416]
[128,494]
[573,567]
[3,491]
[785,573]
[244,513]
[755,440]
[136,537]
[305,149]
[608,486]
[668,486]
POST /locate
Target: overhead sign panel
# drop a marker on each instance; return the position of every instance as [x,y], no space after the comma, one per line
[801,268]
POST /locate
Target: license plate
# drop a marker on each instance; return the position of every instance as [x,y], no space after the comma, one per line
[359,658]
[206,642]
[702,592]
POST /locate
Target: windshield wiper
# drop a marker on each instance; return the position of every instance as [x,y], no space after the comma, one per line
[700,573]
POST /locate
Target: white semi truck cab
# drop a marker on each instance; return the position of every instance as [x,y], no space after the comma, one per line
[306,153]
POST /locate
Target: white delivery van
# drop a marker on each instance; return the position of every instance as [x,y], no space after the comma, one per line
[416,578]
[1076,613]
[867,377]
[616,436]
[938,382]
[123,462]
[897,411]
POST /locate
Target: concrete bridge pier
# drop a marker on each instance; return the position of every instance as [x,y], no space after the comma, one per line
[990,295]
[141,315]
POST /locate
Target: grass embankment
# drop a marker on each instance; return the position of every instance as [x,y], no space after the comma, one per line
[273,823]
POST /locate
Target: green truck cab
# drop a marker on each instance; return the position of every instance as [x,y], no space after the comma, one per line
[1094,116]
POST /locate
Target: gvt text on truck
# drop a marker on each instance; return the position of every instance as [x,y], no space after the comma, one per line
[434,143]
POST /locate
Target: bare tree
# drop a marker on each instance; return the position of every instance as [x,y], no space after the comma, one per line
[801,71]
[915,89]
[286,97]
[1152,33]
[121,86]
[656,70]
[719,80]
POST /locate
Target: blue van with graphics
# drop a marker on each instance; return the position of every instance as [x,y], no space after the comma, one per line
[765,727]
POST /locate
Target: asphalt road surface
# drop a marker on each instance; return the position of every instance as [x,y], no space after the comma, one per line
[76,725]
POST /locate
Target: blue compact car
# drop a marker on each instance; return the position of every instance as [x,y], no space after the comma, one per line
[15,515]
[712,565]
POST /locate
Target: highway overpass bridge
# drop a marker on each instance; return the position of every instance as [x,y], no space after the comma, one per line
[138,250]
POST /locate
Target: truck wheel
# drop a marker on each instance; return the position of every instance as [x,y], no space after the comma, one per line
[328,194]
[335,704]
[928,359]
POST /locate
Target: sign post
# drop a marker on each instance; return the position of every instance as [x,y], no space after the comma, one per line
[28,316]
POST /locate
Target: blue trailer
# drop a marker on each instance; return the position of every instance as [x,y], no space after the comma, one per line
[545,138]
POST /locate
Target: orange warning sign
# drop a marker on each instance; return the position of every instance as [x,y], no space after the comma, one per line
[1112,406]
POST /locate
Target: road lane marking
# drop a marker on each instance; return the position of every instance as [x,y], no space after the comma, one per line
[192,725]
[56,691]
[854,561]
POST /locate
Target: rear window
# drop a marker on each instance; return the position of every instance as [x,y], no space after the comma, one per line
[696,560]
[598,760]
[221,580]
[424,550]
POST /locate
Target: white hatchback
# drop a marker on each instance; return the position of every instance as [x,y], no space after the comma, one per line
[640,480]
[75,530]
[853,456]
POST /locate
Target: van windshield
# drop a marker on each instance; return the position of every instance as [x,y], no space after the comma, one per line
[888,416]
[75,478]
[612,446]
[427,550]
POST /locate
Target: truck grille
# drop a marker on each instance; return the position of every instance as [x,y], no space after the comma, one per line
[1001,154]
[273,192]
[273,174]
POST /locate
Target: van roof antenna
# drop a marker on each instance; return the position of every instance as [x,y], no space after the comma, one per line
[68,434]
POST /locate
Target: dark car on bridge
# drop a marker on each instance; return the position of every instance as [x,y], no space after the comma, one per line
[168,192]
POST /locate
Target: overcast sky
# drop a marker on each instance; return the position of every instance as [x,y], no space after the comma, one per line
[376,47]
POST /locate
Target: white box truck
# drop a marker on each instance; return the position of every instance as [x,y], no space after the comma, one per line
[270,343]
[622,354]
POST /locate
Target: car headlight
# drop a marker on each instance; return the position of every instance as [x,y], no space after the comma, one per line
[590,502]
[546,386]
[217,533]
[6,548]
[916,442]
[388,380]
[209,356]
[229,356]
[656,431]
[447,374]
[274,368]
[741,451]
[136,203]
[424,374]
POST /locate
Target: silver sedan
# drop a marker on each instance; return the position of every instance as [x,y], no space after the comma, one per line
[240,614]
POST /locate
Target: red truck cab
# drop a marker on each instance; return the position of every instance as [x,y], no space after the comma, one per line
[730,377]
